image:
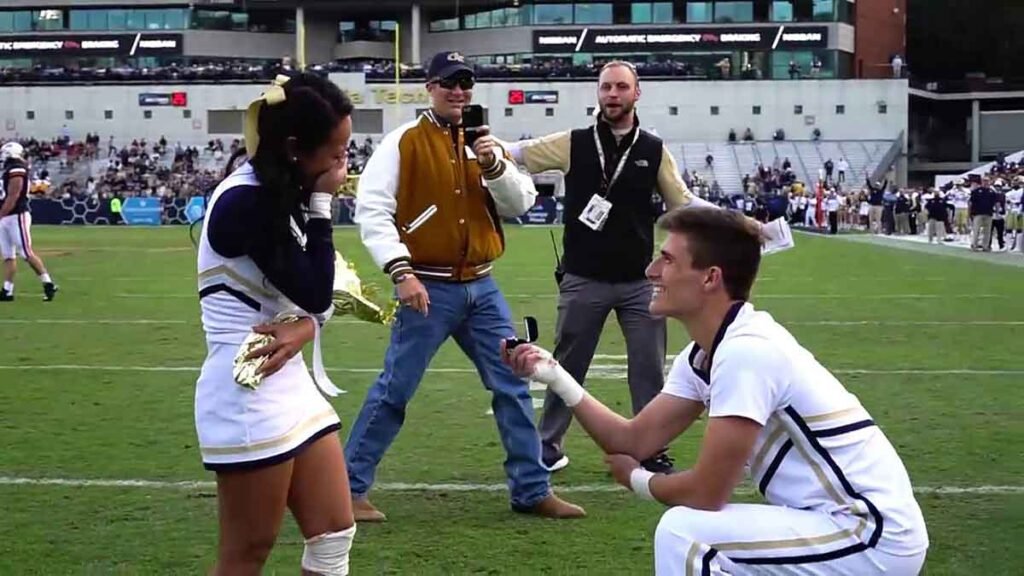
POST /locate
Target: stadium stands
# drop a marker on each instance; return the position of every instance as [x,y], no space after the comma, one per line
[733,161]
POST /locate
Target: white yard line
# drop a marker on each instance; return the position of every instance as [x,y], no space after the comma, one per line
[346,321]
[1000,490]
[601,371]
[131,321]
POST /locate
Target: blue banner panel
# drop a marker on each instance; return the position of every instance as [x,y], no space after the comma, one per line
[142,211]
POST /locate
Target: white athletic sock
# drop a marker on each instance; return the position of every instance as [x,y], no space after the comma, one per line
[9,287]
[45,278]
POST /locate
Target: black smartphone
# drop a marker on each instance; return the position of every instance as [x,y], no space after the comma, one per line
[530,325]
[472,118]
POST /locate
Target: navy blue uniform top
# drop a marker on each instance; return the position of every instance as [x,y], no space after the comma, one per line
[240,225]
[14,168]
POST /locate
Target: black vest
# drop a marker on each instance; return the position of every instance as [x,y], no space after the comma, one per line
[621,251]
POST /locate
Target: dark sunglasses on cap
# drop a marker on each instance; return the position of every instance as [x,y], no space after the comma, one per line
[464,82]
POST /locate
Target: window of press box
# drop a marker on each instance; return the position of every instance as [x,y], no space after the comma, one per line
[808,10]
[593,13]
[730,12]
[444,25]
[698,12]
[104,19]
[367,30]
[552,14]
[31,20]
[804,60]
[643,13]
[220,20]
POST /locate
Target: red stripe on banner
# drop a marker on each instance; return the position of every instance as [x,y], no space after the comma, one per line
[26,240]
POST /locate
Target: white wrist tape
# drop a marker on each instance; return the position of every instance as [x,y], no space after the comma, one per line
[560,382]
[320,205]
[640,483]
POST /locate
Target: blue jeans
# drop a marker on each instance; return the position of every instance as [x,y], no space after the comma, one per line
[476,314]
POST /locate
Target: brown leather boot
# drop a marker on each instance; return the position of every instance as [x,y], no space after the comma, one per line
[555,507]
[363,511]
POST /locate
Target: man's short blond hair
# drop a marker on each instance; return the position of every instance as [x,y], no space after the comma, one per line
[624,64]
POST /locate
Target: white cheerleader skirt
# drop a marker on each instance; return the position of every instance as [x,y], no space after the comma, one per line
[242,429]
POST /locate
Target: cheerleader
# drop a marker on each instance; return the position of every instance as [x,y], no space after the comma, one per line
[266,250]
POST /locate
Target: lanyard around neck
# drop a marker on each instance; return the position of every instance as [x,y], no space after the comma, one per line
[606,183]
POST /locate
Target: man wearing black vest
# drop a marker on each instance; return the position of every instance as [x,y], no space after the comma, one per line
[611,170]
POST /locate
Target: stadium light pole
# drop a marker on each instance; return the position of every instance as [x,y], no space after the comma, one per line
[300,36]
[398,75]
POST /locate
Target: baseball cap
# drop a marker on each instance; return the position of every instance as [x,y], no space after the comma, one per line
[447,64]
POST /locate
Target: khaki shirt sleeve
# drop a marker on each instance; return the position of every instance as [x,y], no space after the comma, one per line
[671,186]
[549,152]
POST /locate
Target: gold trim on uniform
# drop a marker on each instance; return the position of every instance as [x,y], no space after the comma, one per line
[773,438]
[303,428]
[834,415]
[241,280]
[788,542]
[691,557]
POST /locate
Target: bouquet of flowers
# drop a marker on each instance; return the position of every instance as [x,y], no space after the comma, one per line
[351,297]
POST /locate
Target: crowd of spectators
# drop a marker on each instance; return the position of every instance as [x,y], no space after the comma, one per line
[249,71]
[99,169]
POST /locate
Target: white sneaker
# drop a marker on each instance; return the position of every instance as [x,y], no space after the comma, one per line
[557,464]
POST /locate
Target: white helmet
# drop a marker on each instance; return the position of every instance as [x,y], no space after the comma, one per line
[12,150]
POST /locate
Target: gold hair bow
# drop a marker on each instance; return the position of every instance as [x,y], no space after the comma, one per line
[271,96]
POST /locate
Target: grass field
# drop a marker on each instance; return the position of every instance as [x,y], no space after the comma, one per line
[98,385]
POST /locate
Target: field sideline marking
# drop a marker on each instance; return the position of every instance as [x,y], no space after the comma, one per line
[196,322]
[600,371]
[441,487]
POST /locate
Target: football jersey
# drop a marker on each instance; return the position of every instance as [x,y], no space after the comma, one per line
[1013,199]
[961,198]
[819,448]
[13,168]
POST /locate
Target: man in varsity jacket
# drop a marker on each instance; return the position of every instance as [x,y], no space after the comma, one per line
[429,211]
[611,170]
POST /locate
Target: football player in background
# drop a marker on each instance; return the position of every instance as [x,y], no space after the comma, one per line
[16,223]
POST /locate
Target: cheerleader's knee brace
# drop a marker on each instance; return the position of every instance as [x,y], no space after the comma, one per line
[327,554]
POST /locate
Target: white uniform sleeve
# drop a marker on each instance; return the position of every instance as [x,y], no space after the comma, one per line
[376,203]
[748,379]
[681,381]
[513,191]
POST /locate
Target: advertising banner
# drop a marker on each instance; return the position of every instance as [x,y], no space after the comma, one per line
[563,41]
[91,45]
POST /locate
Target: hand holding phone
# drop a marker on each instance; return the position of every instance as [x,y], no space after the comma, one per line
[472,120]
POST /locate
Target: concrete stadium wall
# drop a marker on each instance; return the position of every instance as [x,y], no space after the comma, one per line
[692,102]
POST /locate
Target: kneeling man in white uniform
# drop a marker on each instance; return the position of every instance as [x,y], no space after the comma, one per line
[839,500]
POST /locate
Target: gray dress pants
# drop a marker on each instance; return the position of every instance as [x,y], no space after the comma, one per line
[583,308]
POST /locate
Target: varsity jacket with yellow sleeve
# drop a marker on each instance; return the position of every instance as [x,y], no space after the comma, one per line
[424,205]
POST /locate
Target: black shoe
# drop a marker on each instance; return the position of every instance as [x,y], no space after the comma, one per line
[49,291]
[6,296]
[660,464]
